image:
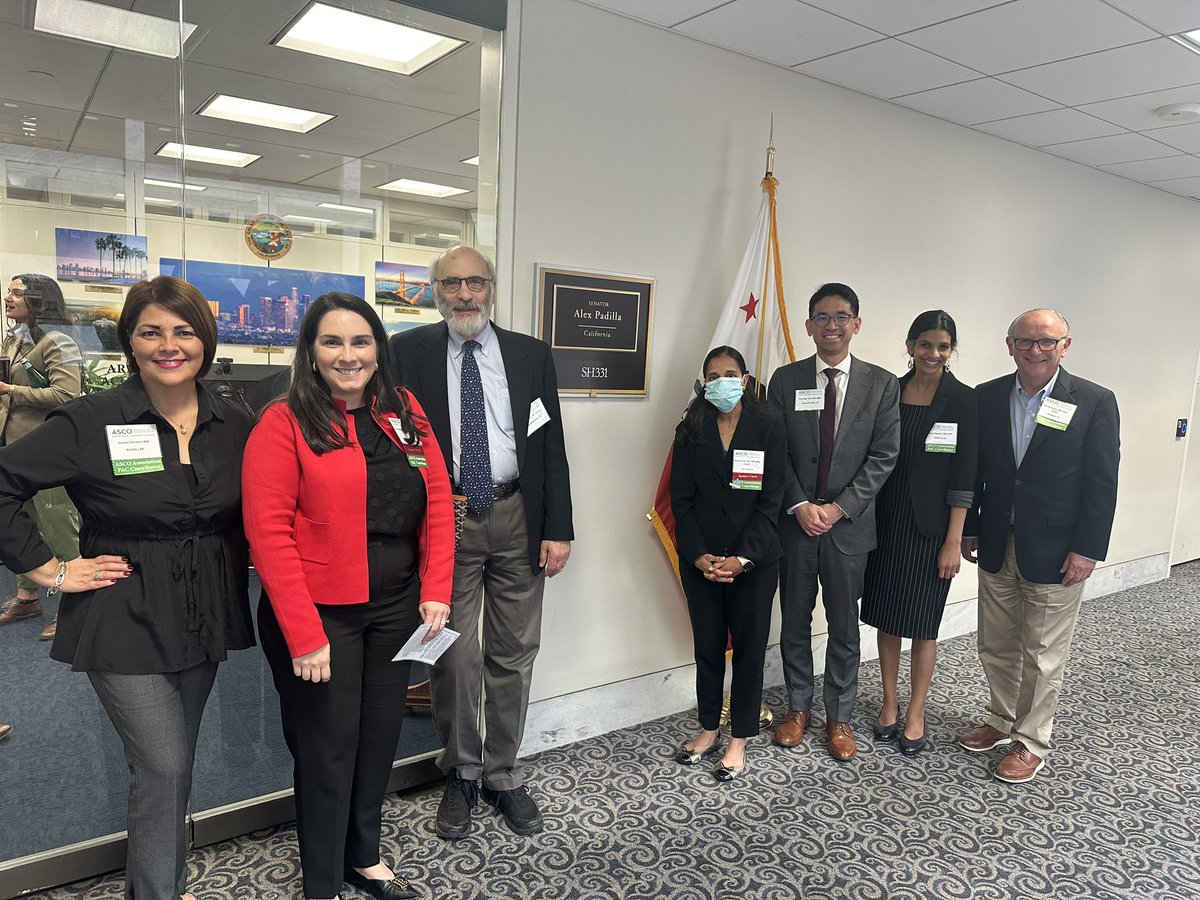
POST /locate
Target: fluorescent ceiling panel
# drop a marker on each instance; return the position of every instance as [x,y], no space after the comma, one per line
[424,188]
[364,40]
[268,115]
[154,182]
[354,209]
[473,161]
[211,155]
[110,26]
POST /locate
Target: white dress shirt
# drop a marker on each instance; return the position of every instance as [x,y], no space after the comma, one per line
[502,442]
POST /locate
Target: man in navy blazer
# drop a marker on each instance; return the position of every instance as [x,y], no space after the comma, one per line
[518,531]
[1049,447]
[842,419]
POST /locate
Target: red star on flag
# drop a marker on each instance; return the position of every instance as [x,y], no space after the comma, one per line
[750,306]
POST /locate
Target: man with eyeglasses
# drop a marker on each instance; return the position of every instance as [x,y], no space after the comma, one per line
[491,396]
[1049,446]
[842,418]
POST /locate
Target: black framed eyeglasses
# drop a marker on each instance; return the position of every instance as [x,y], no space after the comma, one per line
[475,282]
[824,319]
[1046,344]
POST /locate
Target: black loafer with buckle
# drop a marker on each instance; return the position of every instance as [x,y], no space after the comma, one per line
[396,888]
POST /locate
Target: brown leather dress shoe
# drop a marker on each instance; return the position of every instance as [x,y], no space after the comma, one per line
[15,610]
[842,745]
[789,731]
[982,738]
[1020,765]
[49,631]
[5,731]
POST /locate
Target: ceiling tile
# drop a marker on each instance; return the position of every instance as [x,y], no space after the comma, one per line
[1158,169]
[886,69]
[1149,66]
[1137,112]
[1185,187]
[1054,127]
[1181,137]
[1028,33]
[981,100]
[896,17]
[1167,16]
[660,12]
[1106,151]
[779,31]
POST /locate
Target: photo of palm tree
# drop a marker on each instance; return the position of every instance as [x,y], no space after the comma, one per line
[99,257]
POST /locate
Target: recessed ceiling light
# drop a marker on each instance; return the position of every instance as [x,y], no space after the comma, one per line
[304,155]
[473,161]
[108,25]
[364,40]
[1189,39]
[307,219]
[160,201]
[12,105]
[211,155]
[268,115]
[424,188]
[174,184]
[355,209]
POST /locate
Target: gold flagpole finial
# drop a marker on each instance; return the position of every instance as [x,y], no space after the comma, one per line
[771,149]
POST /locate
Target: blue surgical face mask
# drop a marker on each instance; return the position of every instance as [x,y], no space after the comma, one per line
[724,393]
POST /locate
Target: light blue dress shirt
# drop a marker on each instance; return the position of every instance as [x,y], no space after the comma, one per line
[502,442]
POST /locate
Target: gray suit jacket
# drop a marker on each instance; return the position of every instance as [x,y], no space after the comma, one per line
[864,450]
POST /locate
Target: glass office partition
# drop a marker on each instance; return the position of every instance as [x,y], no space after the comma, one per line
[266,152]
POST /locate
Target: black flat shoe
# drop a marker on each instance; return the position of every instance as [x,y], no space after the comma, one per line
[916,745]
[381,888]
[686,757]
[886,732]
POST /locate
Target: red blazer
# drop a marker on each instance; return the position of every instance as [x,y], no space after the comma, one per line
[305,518]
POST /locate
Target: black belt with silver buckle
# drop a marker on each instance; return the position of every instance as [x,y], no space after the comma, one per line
[499,491]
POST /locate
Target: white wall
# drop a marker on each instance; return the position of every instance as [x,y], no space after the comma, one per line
[630,149]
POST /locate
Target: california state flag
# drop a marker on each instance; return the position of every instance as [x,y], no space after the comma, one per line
[754,321]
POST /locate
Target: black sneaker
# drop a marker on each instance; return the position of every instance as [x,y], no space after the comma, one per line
[454,812]
[518,808]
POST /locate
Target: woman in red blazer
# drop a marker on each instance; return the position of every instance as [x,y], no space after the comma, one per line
[348,511]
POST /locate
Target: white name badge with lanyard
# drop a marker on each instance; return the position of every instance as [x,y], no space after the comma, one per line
[1055,414]
[413,450]
[942,438]
[134,449]
[748,470]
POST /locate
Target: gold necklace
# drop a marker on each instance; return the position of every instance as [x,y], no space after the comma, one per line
[182,429]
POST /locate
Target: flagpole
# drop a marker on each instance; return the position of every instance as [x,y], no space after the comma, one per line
[762,319]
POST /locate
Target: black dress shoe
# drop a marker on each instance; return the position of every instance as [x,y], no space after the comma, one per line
[381,888]
[886,732]
[454,812]
[914,745]
[686,757]
[518,808]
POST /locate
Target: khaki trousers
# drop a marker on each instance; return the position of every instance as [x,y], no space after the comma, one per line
[1025,632]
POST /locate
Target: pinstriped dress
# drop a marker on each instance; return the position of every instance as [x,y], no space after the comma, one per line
[902,593]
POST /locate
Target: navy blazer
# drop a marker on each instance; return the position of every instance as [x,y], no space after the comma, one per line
[1063,495]
[711,516]
[419,363]
[937,481]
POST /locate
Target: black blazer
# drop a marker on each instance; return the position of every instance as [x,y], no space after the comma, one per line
[937,481]
[711,516]
[419,363]
[1063,496]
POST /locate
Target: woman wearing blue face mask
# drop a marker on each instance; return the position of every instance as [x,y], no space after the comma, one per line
[726,490]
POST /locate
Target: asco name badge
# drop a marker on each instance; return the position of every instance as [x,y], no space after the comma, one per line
[747,470]
[134,449]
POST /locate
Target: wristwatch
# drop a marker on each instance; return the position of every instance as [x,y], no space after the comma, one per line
[747,565]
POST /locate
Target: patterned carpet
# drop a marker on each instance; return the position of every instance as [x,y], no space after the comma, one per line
[1115,813]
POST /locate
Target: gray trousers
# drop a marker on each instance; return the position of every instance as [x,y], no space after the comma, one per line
[493,583]
[158,720]
[807,561]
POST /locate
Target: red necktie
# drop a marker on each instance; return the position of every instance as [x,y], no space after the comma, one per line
[827,433]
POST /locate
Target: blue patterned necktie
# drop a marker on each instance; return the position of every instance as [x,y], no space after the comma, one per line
[474,460]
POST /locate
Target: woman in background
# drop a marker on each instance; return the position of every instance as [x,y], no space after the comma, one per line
[351,527]
[44,371]
[726,484]
[160,597]
[921,511]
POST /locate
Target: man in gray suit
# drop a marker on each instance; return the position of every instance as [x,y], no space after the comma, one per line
[842,418]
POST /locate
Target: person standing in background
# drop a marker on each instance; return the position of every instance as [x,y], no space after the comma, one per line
[492,398]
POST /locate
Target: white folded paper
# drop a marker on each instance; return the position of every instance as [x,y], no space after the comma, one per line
[426,653]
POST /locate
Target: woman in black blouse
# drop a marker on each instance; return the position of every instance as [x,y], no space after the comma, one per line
[160,594]
[727,474]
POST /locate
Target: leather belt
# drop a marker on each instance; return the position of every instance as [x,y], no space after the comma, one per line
[499,491]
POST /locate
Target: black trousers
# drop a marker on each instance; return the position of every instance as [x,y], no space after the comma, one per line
[343,733]
[738,612]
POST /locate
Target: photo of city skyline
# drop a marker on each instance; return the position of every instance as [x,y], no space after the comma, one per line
[99,257]
[256,304]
